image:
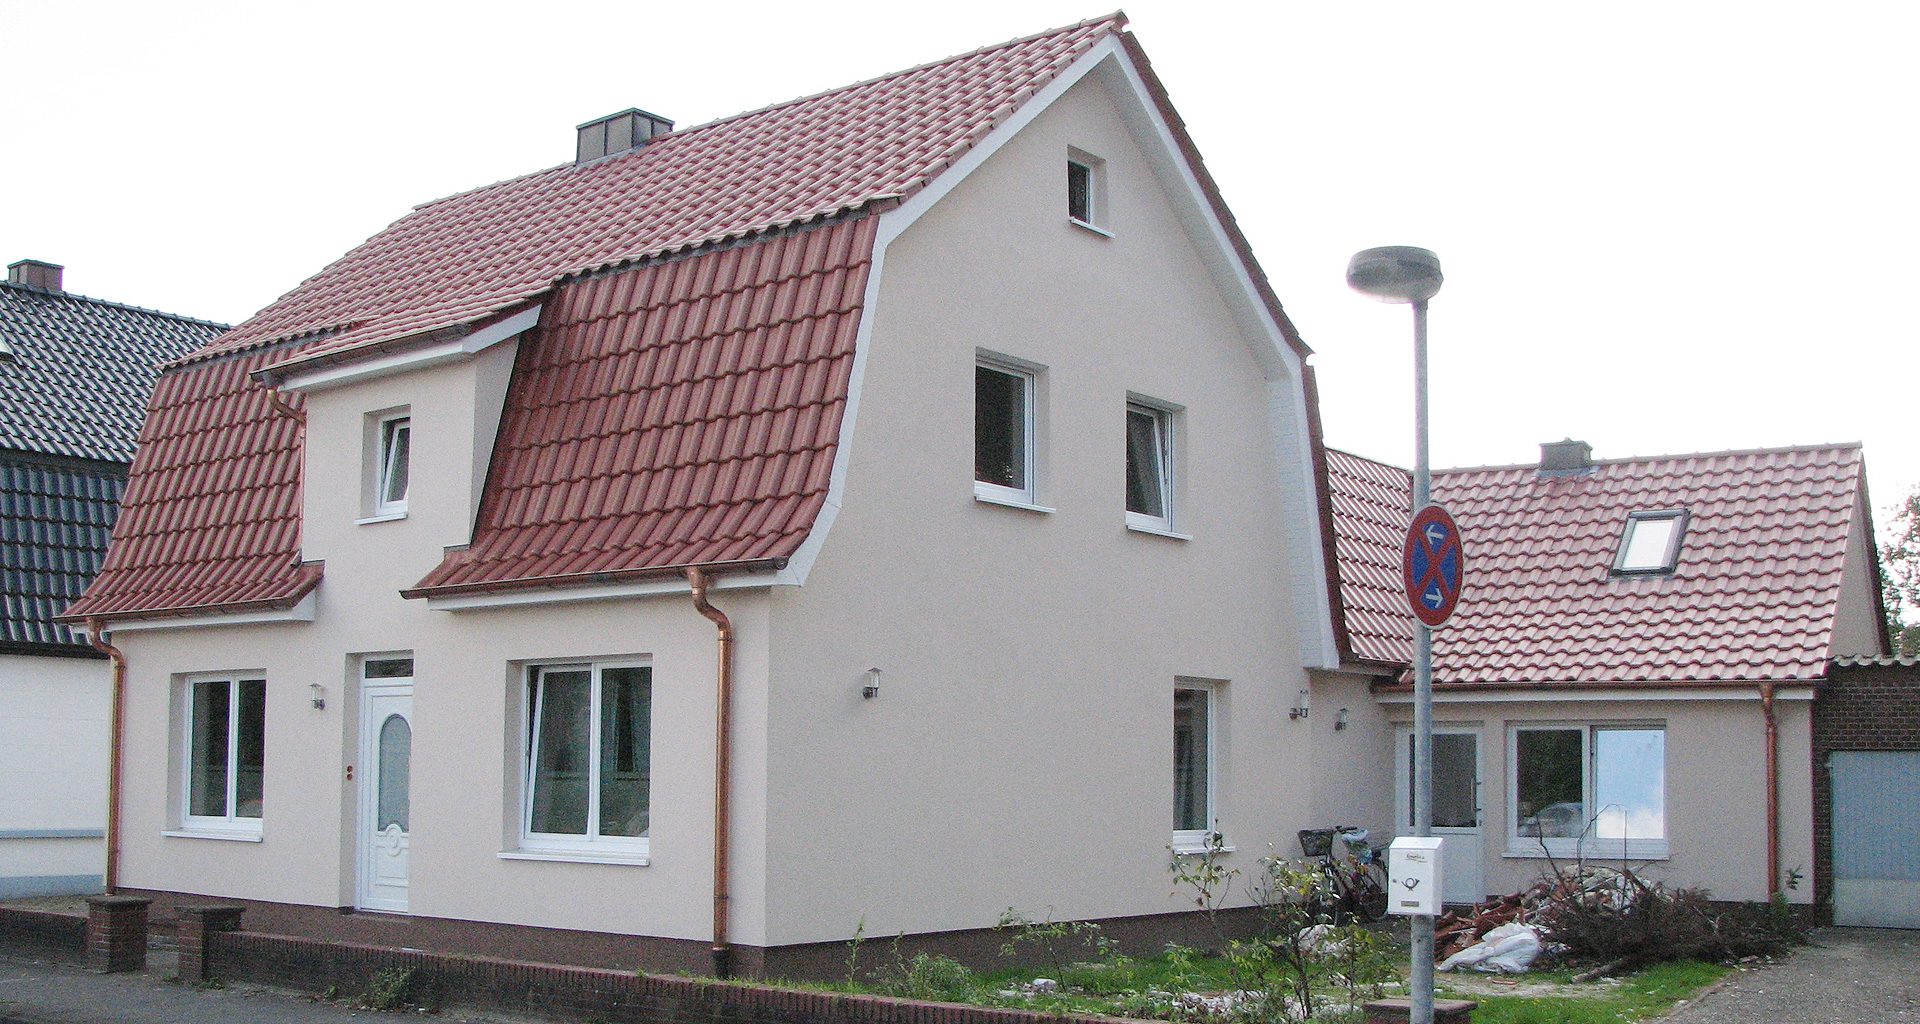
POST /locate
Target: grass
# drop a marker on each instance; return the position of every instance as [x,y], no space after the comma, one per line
[1650,993]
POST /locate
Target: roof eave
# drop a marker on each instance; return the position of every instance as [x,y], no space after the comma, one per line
[588,579]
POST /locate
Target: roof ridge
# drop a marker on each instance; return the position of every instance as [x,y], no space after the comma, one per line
[1673,457]
[1118,17]
[117,305]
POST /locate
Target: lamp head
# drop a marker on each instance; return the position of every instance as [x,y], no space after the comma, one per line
[1395,273]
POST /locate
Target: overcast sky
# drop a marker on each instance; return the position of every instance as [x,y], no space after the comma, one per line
[1666,227]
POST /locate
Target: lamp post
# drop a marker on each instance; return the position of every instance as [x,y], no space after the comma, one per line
[1404,274]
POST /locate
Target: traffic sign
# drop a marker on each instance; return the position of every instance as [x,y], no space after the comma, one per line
[1432,564]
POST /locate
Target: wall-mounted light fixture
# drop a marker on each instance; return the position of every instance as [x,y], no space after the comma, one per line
[319,695]
[1340,720]
[1299,710]
[872,689]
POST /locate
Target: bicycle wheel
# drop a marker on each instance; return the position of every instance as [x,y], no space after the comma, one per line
[1369,894]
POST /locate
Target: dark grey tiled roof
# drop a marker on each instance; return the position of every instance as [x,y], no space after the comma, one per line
[79,370]
[55,517]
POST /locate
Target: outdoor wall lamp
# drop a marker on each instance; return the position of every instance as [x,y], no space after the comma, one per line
[1340,720]
[319,695]
[1300,709]
[872,689]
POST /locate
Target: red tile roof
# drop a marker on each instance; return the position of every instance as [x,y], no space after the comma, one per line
[1754,594]
[458,259]
[211,517]
[683,413]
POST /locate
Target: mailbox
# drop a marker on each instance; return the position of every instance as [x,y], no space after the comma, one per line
[1413,876]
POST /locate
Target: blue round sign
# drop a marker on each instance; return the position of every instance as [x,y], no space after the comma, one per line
[1432,565]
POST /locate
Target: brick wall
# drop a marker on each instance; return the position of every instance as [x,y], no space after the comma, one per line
[601,995]
[1859,707]
[54,936]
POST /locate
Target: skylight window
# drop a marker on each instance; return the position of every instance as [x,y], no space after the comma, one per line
[1652,542]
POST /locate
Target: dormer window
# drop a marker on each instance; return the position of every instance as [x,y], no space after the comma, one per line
[1652,542]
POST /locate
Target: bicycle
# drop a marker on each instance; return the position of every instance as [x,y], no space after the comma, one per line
[1358,880]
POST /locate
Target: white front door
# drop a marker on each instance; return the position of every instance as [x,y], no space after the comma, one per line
[386,763]
[1456,807]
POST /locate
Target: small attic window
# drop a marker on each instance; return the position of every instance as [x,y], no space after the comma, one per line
[1652,542]
[1087,191]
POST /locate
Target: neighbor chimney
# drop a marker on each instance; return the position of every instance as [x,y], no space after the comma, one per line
[617,133]
[1568,456]
[35,274]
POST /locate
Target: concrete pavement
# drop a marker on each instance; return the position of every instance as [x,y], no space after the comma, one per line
[1848,976]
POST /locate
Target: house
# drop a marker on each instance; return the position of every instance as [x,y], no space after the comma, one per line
[75,373]
[1631,672]
[864,514]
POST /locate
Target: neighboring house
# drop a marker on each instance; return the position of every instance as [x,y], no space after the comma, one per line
[944,420]
[75,373]
[1636,641]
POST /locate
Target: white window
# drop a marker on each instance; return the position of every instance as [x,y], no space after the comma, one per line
[1005,434]
[1593,790]
[588,760]
[396,444]
[223,748]
[1087,191]
[1651,543]
[1150,467]
[1195,746]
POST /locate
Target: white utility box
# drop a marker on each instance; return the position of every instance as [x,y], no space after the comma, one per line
[1413,876]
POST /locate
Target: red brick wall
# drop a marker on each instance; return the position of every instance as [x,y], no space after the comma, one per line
[1860,707]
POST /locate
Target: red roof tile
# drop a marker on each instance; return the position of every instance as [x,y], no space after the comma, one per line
[682,413]
[211,517]
[1753,596]
[459,259]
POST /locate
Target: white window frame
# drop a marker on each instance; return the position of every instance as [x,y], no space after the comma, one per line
[231,825]
[1670,557]
[1096,219]
[1166,418]
[1590,847]
[1199,840]
[1032,377]
[384,432]
[592,846]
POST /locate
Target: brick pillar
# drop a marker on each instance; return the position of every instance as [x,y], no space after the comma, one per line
[196,925]
[1398,1011]
[117,933]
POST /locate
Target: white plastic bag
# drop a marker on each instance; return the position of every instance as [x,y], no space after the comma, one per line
[1508,949]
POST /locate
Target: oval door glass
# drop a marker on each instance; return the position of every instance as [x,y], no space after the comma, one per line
[396,758]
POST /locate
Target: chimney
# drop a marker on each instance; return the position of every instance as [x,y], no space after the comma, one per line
[617,133]
[1561,458]
[35,274]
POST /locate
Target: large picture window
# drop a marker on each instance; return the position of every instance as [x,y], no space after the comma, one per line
[1596,790]
[588,743]
[225,752]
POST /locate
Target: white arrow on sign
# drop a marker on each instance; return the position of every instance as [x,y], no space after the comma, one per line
[1436,533]
[1433,596]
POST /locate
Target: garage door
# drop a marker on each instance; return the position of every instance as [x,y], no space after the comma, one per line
[1876,829]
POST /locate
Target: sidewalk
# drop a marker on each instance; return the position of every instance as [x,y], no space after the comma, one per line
[35,991]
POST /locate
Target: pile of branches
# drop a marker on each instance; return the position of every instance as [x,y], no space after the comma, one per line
[1619,920]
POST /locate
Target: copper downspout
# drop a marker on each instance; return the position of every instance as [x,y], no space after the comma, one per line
[1773,789]
[722,774]
[119,729]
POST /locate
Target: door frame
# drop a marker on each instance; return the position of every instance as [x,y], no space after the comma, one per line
[366,796]
[1454,855]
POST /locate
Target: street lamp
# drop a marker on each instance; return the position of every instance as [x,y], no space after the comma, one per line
[1402,273]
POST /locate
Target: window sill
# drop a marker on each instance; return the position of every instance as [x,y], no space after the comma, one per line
[634,858]
[1155,530]
[228,835]
[385,518]
[996,499]
[1188,849]
[1086,226]
[1640,849]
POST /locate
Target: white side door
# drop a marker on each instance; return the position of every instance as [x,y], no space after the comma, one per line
[1456,807]
[386,762]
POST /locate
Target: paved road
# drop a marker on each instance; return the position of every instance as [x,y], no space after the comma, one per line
[1848,976]
[44,992]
